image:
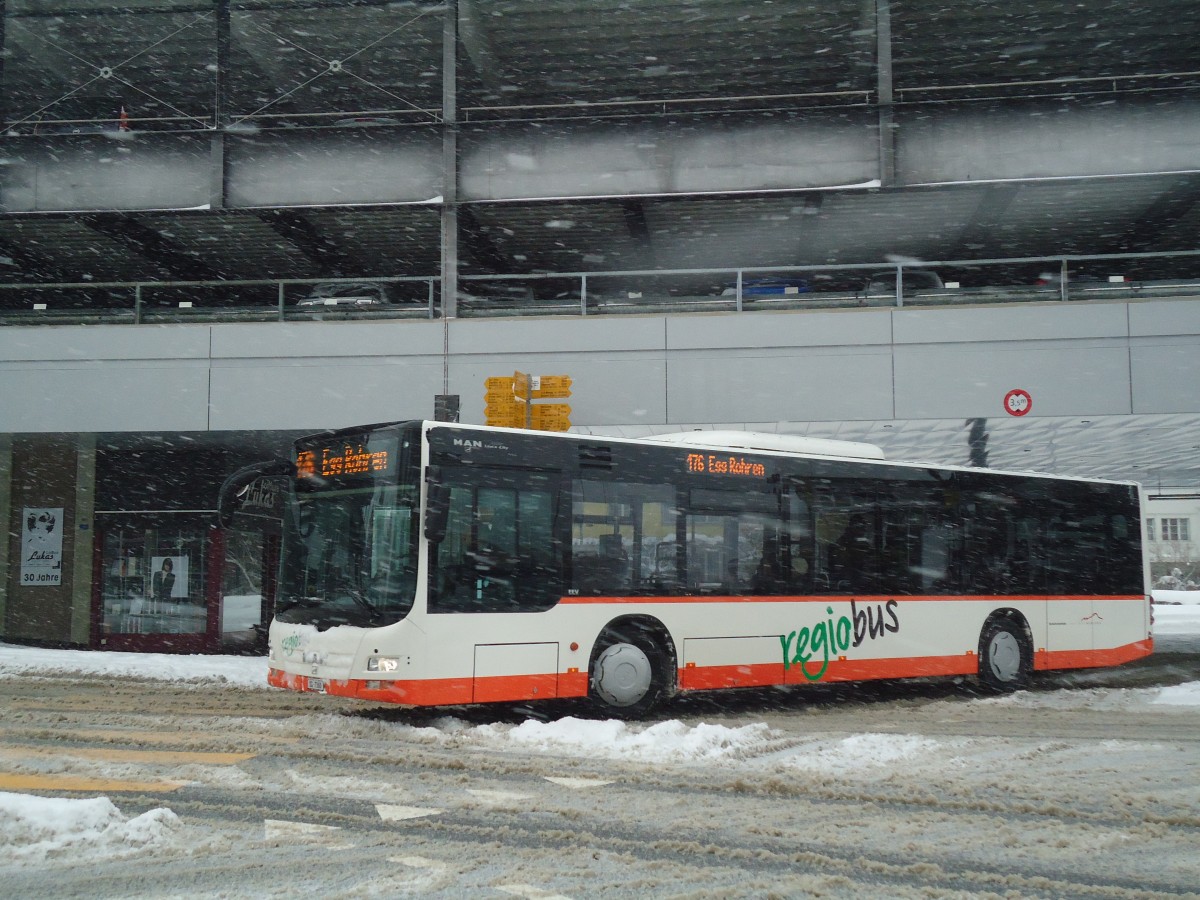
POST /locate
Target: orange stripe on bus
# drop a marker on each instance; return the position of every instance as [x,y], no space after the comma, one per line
[1092,659]
[542,686]
[446,691]
[696,678]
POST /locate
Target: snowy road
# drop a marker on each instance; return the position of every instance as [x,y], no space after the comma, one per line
[1085,786]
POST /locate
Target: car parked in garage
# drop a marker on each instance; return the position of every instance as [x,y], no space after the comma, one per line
[769,286]
[914,281]
[349,293]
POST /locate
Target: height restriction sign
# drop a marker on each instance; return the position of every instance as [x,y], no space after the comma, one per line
[1017,402]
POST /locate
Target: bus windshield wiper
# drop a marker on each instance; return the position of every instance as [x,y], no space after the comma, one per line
[358,597]
[297,602]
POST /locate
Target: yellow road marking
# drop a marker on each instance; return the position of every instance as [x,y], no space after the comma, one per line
[76,783]
[120,736]
[160,757]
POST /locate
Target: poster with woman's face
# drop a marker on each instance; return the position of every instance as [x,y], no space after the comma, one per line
[41,546]
[168,577]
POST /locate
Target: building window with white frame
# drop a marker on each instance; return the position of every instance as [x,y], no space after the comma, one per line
[1175,530]
[1150,529]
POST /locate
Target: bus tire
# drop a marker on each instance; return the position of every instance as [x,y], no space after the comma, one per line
[628,676]
[1005,656]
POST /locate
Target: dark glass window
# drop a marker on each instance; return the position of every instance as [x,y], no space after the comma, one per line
[500,552]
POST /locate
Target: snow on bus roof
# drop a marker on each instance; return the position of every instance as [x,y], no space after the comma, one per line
[762,440]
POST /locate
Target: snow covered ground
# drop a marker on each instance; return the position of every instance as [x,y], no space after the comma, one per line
[36,831]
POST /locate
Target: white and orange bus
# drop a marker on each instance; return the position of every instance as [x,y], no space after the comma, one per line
[428,563]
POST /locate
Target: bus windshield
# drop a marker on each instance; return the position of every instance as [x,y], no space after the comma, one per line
[350,548]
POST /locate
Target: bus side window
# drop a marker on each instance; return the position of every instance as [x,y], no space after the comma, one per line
[605,536]
[499,553]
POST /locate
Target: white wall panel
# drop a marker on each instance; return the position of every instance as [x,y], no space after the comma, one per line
[799,329]
[1020,323]
[263,340]
[313,395]
[104,396]
[91,342]
[764,386]
[1164,317]
[562,335]
[1074,359]
[938,381]
[1166,374]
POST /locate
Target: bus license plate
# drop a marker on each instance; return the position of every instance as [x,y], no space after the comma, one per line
[316,684]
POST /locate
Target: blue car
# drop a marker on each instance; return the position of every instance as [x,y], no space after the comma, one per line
[769,286]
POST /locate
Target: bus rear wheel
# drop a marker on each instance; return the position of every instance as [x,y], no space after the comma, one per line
[628,675]
[1005,658]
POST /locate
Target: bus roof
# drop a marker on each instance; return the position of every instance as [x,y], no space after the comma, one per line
[762,440]
[782,443]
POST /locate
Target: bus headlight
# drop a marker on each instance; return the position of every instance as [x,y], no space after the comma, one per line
[382,664]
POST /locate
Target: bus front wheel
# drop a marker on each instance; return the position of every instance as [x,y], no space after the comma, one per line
[628,674]
[1005,658]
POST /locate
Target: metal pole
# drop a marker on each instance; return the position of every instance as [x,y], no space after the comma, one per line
[883,73]
[450,162]
[219,176]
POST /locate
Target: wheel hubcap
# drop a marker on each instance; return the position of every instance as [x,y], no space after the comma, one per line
[1004,656]
[623,675]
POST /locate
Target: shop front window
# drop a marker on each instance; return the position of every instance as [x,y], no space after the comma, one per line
[153,581]
[250,560]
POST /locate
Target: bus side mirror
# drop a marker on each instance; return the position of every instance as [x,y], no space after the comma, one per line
[437,507]
[233,489]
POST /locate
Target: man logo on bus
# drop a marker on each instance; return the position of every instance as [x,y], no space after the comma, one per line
[829,637]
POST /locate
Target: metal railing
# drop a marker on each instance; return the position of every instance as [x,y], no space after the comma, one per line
[896,284]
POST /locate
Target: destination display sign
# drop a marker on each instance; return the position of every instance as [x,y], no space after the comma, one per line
[724,464]
[342,459]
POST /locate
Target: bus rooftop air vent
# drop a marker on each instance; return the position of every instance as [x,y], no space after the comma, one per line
[595,456]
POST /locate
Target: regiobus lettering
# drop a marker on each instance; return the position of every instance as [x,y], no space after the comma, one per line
[429,564]
[828,637]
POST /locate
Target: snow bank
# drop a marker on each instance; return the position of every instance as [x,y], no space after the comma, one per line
[1176,620]
[34,829]
[1179,695]
[610,739]
[1176,598]
[244,671]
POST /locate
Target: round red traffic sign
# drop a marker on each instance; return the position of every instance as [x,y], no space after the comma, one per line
[1017,402]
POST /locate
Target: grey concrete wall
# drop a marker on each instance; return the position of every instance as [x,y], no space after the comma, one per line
[1073,359]
[123,171]
[667,157]
[576,159]
[334,167]
[1047,140]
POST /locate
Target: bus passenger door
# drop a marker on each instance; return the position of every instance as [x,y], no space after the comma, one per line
[1070,614]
